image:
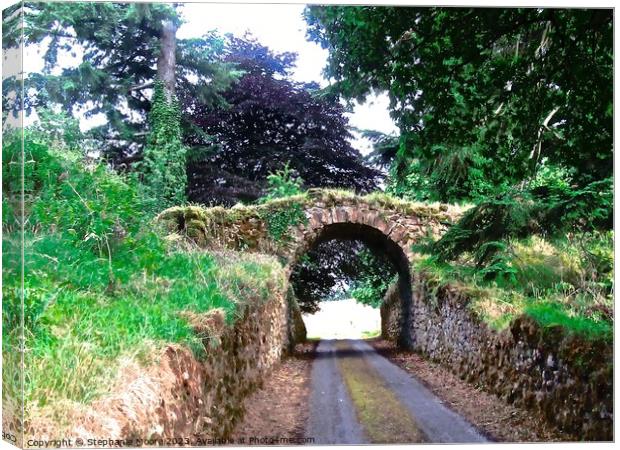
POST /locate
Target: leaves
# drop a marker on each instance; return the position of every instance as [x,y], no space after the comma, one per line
[163,168]
[269,120]
[481,95]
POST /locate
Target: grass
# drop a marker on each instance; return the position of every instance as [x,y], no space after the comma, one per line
[103,287]
[566,282]
[371,334]
[76,345]
[383,416]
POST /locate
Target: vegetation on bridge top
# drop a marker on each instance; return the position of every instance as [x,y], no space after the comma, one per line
[193,218]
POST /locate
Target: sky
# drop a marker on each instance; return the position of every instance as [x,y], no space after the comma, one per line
[282,28]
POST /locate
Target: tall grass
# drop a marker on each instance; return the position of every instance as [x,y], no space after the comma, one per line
[566,281]
[102,284]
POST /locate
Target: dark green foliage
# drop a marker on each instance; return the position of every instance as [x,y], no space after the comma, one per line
[385,148]
[373,279]
[341,269]
[485,224]
[115,74]
[482,96]
[162,169]
[545,210]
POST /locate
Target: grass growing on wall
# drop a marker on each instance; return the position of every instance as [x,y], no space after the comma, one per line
[102,285]
[567,282]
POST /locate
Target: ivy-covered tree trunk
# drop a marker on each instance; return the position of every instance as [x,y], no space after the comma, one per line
[163,169]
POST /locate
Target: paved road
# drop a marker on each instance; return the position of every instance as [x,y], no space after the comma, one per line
[333,416]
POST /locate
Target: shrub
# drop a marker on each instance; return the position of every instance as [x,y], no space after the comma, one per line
[100,282]
[282,183]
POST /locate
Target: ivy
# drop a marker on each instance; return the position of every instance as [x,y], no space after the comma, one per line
[163,169]
[280,220]
[281,184]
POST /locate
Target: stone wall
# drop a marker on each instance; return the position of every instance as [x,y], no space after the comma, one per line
[566,379]
[183,397]
[245,227]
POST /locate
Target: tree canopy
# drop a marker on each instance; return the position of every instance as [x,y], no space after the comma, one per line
[269,120]
[510,109]
[483,97]
[339,269]
[116,71]
[241,115]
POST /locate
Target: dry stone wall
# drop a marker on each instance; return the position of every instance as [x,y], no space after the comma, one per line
[183,397]
[564,378]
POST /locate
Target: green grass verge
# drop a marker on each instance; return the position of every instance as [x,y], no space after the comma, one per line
[567,282]
[103,287]
[371,334]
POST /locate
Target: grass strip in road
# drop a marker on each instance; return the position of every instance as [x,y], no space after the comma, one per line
[383,416]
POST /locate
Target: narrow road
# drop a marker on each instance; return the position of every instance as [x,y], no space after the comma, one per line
[359,397]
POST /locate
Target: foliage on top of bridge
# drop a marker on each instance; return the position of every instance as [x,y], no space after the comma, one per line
[272,225]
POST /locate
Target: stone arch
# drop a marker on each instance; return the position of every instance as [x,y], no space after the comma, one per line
[377,241]
[400,229]
[384,221]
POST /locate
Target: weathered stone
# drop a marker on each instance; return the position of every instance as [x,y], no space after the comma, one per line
[182,395]
[564,381]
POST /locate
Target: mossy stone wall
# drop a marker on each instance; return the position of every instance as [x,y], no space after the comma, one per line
[565,378]
[183,397]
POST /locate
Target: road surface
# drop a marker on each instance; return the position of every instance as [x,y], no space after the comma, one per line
[359,397]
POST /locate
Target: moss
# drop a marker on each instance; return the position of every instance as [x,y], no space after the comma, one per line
[380,200]
[281,213]
[549,314]
[384,418]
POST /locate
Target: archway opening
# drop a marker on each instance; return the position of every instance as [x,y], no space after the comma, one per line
[340,279]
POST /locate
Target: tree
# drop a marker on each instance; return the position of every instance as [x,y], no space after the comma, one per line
[162,168]
[336,269]
[270,121]
[125,48]
[234,139]
[484,97]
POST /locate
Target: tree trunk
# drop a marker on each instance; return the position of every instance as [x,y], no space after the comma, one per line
[167,58]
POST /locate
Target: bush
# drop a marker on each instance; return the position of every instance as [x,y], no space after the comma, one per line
[551,210]
[373,278]
[566,281]
[282,183]
[100,281]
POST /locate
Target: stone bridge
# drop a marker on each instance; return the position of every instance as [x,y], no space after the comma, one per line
[291,226]
[529,365]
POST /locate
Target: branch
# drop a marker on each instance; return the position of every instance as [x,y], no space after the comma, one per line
[139,87]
